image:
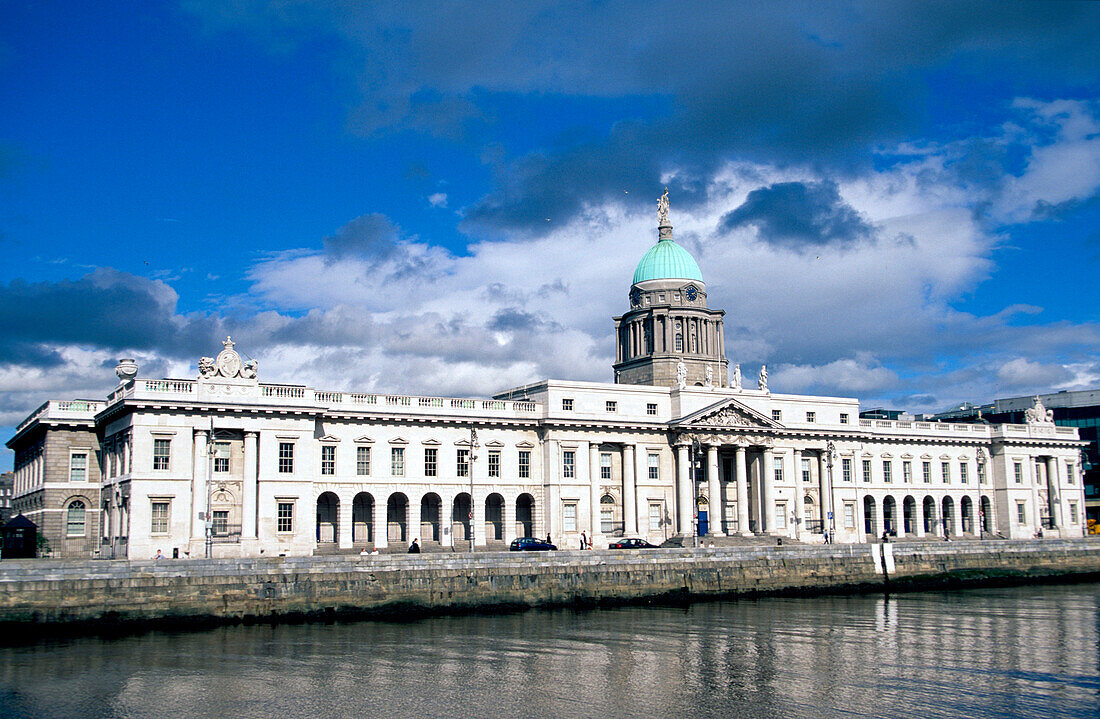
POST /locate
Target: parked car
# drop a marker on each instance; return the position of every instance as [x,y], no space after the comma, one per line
[631,543]
[530,544]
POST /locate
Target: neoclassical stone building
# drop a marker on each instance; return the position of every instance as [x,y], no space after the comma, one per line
[227,465]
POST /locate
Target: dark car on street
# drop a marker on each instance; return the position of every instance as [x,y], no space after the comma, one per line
[631,543]
[530,544]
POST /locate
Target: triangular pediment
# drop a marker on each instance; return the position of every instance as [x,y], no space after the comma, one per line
[728,413]
[329,438]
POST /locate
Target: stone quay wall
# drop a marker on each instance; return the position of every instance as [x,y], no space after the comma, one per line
[43,594]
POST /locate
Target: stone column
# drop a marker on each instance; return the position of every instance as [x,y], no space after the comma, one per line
[509,520]
[742,493]
[414,517]
[683,491]
[593,491]
[825,485]
[1054,496]
[477,506]
[918,517]
[799,491]
[767,491]
[250,493]
[381,522]
[199,491]
[343,522]
[630,491]
[717,506]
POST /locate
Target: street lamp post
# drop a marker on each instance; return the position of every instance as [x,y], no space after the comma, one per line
[470,470]
[830,450]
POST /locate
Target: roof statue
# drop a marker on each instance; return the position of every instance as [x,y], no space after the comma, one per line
[762,383]
[681,375]
[735,383]
[1038,414]
[709,383]
[662,210]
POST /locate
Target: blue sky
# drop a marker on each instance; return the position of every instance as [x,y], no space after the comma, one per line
[891,200]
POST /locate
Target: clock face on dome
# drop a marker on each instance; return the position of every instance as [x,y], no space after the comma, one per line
[691,293]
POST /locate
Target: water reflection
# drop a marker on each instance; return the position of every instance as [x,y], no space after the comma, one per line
[1020,652]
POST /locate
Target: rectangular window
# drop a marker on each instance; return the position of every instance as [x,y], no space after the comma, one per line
[846,469]
[654,461]
[1021,512]
[926,469]
[220,524]
[849,515]
[654,516]
[362,461]
[651,408]
[567,405]
[159,518]
[462,466]
[777,469]
[945,468]
[907,472]
[887,471]
[981,473]
[78,467]
[611,405]
[328,459]
[162,451]
[286,457]
[75,518]
[569,517]
[1069,472]
[568,464]
[605,466]
[811,416]
[607,521]
[777,415]
[494,463]
[525,464]
[806,471]
[431,458]
[780,515]
[1018,472]
[1073,512]
[844,418]
[397,461]
[285,517]
[963,474]
[866,470]
[221,457]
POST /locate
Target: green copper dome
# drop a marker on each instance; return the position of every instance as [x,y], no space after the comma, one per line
[666,260]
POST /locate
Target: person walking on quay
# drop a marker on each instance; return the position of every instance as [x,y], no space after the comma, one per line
[159,556]
[827,538]
[414,548]
[584,540]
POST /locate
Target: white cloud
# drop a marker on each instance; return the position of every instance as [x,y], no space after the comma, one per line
[438,199]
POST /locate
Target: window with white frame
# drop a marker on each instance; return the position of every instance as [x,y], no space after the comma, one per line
[525,464]
[945,469]
[654,516]
[811,417]
[494,462]
[328,459]
[158,515]
[605,465]
[162,453]
[805,470]
[569,517]
[651,408]
[844,418]
[777,469]
[567,404]
[1069,472]
[654,461]
[777,415]
[607,520]
[611,405]
[75,519]
[780,515]
[981,473]
[846,469]
[887,471]
[866,470]
[362,461]
[963,473]
[849,515]
[397,461]
[1018,472]
[1073,512]
[926,471]
[78,467]
[907,472]
[568,464]
[431,461]
[220,524]
[286,457]
[285,517]
[1021,512]
[221,457]
[462,466]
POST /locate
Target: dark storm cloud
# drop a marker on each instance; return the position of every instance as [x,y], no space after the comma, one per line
[371,237]
[796,215]
[106,309]
[516,319]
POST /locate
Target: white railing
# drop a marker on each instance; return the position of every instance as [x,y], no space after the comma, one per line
[283,391]
[173,386]
[330,397]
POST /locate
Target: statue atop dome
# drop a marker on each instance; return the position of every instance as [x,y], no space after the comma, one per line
[662,210]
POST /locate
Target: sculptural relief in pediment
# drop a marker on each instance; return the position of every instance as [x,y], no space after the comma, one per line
[728,416]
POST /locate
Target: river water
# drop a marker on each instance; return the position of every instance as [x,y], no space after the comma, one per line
[1019,652]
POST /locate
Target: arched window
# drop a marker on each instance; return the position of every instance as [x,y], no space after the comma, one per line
[74,519]
[679,340]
